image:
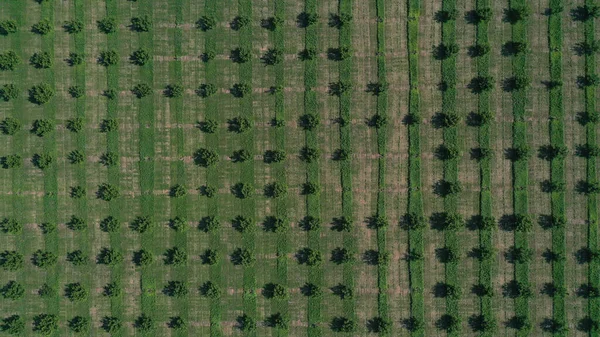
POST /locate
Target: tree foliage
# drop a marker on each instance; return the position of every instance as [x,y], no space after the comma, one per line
[41,93]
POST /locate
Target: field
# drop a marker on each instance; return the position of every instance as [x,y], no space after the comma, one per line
[299,168]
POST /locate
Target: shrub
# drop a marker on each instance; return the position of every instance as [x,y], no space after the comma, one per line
[309,154]
[246,323]
[13,325]
[79,324]
[242,190]
[310,223]
[12,291]
[10,126]
[109,257]
[8,27]
[243,224]
[75,59]
[174,90]
[176,323]
[141,24]
[75,292]
[143,258]
[43,27]
[77,258]
[209,224]
[242,257]
[111,324]
[277,321]
[44,259]
[210,290]
[141,224]
[42,127]
[9,92]
[10,226]
[140,57]
[379,325]
[206,157]
[107,192]
[339,54]
[41,93]
[273,56]
[108,58]
[210,257]
[112,289]
[109,125]
[75,124]
[275,190]
[206,90]
[274,291]
[179,224]
[9,60]
[308,54]
[141,90]
[306,19]
[175,256]
[274,224]
[73,26]
[45,324]
[175,289]
[41,60]
[309,257]
[273,23]
[206,23]
[108,25]
[47,291]
[241,90]
[42,160]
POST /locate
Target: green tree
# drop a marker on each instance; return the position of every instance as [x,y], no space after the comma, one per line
[142,224]
[206,157]
[13,325]
[239,22]
[142,90]
[110,224]
[309,154]
[9,92]
[107,192]
[44,259]
[275,225]
[275,190]
[8,27]
[10,126]
[176,256]
[75,59]
[243,224]
[174,90]
[143,258]
[11,260]
[141,23]
[41,60]
[112,289]
[242,257]
[144,323]
[109,257]
[273,56]
[210,257]
[179,224]
[109,125]
[79,324]
[309,257]
[75,124]
[73,26]
[45,324]
[277,321]
[246,323]
[76,91]
[75,292]
[77,258]
[11,161]
[379,325]
[43,27]
[242,190]
[210,290]
[206,90]
[77,192]
[343,324]
[108,25]
[76,223]
[309,122]
[111,324]
[11,226]
[240,90]
[41,93]
[177,323]
[275,291]
[175,289]
[76,157]
[47,291]
[108,58]
[209,224]
[140,57]
[109,159]
[42,127]
[9,60]
[12,291]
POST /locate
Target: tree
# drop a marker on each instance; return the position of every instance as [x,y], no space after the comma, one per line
[143,258]
[588,324]
[445,51]
[310,223]
[73,26]
[448,323]
[142,90]
[309,257]
[246,323]
[43,27]
[376,258]
[206,90]
[45,324]
[413,324]
[342,224]
[275,190]
[339,21]
[11,260]
[107,192]
[141,23]
[206,157]
[516,289]
[41,60]
[445,120]
[10,226]
[208,191]
[12,291]
[242,190]
[41,93]
[413,221]
[273,56]
[175,289]
[445,290]
[553,326]
[8,27]
[514,48]
[110,94]
[309,154]
[242,257]
[111,324]
[479,50]
[47,291]
[75,59]
[243,224]
[144,323]
[310,188]
[308,54]
[241,156]
[341,255]
[174,90]
[42,160]
[274,156]
[444,188]
[109,125]
[379,325]
[208,55]
[76,223]
[176,323]
[210,257]
[209,224]
[110,224]
[311,290]
[42,127]
[140,57]
[480,15]
[210,290]
[240,90]
[48,227]
[109,257]
[108,25]
[275,225]
[273,23]
[108,58]
[112,289]
[75,124]
[77,192]
[76,91]
[586,12]
[177,191]
[517,13]
[142,224]
[240,22]
[309,121]
[206,23]
[339,54]
[306,19]
[13,325]
[9,92]
[239,125]
[10,126]
[590,80]
[274,291]
[75,292]
[277,321]
[9,60]
[179,224]
[343,324]
[79,324]
[481,84]
[44,259]
[176,256]
[444,16]
[11,161]
[77,258]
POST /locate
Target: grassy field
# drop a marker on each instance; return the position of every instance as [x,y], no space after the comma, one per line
[369,106]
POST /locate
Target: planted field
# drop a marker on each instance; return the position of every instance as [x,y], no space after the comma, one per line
[299,168]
